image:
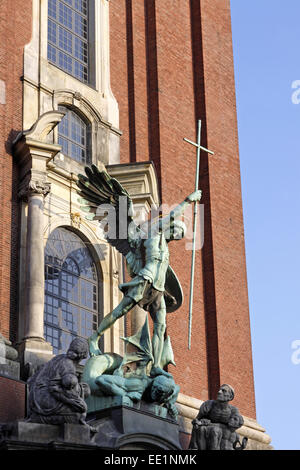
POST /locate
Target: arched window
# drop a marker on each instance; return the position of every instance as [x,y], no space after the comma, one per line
[71,290]
[68,36]
[74,136]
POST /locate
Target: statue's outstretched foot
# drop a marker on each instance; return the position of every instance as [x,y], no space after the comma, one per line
[155,371]
[93,345]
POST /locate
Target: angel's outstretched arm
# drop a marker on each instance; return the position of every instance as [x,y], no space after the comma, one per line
[164,223]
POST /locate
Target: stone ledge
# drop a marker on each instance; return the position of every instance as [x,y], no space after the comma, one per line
[123,427]
[24,431]
[98,403]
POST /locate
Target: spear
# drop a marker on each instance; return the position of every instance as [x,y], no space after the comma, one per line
[199,148]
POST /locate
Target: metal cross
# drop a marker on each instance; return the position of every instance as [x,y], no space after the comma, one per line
[199,148]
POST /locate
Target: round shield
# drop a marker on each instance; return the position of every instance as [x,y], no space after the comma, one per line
[173,291]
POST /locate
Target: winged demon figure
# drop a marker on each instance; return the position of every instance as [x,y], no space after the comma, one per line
[154,285]
[111,375]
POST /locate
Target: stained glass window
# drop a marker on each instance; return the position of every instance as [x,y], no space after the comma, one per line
[71,290]
[68,36]
[73,136]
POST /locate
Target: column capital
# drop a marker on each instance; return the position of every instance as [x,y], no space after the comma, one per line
[33,185]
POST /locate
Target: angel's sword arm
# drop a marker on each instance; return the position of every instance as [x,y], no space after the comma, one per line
[164,223]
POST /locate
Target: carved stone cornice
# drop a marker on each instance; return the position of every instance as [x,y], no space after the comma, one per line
[140,180]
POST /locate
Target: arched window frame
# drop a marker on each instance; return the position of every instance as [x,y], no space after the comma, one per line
[46,86]
[68,135]
[100,132]
[58,298]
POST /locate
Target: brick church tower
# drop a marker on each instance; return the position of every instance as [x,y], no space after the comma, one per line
[172,64]
[148,71]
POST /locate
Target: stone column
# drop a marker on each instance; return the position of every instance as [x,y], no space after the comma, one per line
[34,323]
[34,150]
[34,349]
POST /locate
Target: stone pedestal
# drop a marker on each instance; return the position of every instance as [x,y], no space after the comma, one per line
[119,428]
[22,435]
[126,428]
[33,353]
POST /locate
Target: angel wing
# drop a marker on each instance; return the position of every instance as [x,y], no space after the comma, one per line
[142,342]
[97,188]
[144,350]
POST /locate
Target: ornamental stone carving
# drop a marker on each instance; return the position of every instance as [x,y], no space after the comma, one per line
[76,219]
[34,187]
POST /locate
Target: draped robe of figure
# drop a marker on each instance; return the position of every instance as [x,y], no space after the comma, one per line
[55,394]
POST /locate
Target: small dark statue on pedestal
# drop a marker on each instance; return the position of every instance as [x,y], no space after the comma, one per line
[216,424]
[55,394]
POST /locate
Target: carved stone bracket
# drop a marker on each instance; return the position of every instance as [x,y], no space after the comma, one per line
[76,219]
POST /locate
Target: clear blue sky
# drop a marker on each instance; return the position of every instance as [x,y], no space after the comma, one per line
[266,38]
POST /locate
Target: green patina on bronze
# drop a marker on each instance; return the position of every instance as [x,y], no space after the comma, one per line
[114,380]
[153,286]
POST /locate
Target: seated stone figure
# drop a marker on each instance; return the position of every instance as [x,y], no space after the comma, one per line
[55,394]
[230,439]
[214,427]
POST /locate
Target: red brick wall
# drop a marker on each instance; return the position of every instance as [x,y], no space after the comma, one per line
[12,399]
[228,251]
[15,32]
[172,64]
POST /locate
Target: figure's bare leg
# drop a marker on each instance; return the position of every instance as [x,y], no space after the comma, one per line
[111,385]
[124,306]
[215,436]
[158,338]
